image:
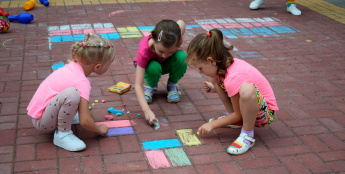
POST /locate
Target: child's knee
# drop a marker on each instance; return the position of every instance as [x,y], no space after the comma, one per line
[153,68]
[247,92]
[73,94]
[180,56]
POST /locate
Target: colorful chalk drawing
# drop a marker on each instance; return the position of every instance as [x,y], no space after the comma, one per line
[187,137]
[173,150]
[249,54]
[232,28]
[120,127]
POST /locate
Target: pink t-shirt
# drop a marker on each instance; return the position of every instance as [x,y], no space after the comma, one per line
[71,75]
[242,72]
[145,53]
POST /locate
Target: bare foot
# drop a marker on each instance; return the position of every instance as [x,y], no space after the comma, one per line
[209,88]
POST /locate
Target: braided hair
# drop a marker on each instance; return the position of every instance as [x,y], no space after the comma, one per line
[93,49]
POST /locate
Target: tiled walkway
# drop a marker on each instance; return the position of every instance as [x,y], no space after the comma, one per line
[303,58]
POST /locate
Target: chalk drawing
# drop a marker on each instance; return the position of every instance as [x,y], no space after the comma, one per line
[58,65]
[129,32]
[231,28]
[120,131]
[157,159]
[188,137]
[113,124]
[249,54]
[177,157]
[116,12]
[159,144]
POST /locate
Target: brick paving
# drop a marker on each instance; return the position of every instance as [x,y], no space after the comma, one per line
[302,57]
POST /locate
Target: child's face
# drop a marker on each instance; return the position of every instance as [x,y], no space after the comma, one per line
[207,68]
[163,51]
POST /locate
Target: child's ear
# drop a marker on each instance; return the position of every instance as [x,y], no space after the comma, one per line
[211,60]
[97,67]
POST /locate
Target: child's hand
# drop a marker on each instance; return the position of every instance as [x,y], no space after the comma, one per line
[205,129]
[209,88]
[104,129]
[150,117]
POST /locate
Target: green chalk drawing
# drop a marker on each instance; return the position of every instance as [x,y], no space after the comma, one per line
[177,157]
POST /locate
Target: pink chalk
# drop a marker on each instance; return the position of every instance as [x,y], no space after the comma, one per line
[123,109]
[111,124]
[124,104]
[109,117]
[157,159]
[103,101]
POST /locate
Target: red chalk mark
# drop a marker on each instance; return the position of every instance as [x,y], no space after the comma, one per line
[157,159]
[109,117]
[112,124]
[116,12]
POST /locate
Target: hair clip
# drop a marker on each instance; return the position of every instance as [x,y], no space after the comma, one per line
[101,44]
[209,34]
[160,36]
[83,44]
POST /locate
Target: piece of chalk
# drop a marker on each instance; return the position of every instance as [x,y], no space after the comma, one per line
[89,107]
[138,115]
[127,112]
[118,114]
[96,101]
[197,133]
[123,109]
[124,104]
[93,104]
[109,117]
[103,101]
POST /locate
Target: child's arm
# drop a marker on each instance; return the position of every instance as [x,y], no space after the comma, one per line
[223,96]
[182,26]
[86,120]
[232,118]
[139,91]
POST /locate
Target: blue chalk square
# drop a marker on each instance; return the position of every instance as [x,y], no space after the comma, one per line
[78,37]
[67,38]
[283,29]
[113,36]
[161,144]
[249,54]
[55,39]
[262,31]
[105,35]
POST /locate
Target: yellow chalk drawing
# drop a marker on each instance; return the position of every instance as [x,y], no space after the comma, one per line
[129,32]
[188,138]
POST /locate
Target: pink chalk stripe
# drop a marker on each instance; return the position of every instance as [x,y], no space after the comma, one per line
[105,30]
[60,32]
[232,25]
[157,159]
[112,124]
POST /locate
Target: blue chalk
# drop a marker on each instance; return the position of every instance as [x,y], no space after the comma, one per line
[112,110]
[160,144]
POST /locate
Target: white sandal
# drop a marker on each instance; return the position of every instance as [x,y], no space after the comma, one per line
[239,147]
[171,93]
[148,94]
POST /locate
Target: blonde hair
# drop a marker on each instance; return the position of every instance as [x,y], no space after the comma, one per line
[93,49]
[210,45]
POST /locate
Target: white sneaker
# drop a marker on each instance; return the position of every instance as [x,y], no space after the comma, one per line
[293,10]
[256,4]
[68,141]
[76,119]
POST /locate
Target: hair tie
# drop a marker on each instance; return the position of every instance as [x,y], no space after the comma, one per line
[160,36]
[209,34]
[109,45]
[83,44]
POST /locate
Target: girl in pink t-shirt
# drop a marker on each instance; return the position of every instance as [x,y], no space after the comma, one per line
[158,55]
[66,91]
[244,91]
